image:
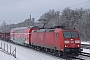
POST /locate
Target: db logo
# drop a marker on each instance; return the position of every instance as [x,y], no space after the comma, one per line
[41,37]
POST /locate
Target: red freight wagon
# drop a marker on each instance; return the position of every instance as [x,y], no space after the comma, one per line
[5,36]
[22,35]
[1,35]
[57,40]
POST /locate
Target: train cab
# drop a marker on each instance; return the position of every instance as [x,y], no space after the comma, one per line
[69,40]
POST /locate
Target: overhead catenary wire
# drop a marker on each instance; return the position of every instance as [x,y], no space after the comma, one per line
[74,5]
[79,4]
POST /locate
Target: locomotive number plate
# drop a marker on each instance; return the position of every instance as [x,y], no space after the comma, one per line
[72,41]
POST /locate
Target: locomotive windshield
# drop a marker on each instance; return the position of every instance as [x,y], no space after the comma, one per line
[70,34]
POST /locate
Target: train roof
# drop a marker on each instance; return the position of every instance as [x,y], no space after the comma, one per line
[53,29]
[45,30]
[21,28]
[64,28]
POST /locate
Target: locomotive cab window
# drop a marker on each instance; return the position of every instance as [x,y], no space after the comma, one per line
[71,34]
[74,34]
[67,34]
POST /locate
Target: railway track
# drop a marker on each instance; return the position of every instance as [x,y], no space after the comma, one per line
[72,58]
[85,54]
[86,46]
[66,57]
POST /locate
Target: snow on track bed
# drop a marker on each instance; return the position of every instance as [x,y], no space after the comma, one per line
[85,54]
[86,46]
[84,57]
[85,42]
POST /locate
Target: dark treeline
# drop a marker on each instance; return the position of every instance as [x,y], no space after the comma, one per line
[78,18]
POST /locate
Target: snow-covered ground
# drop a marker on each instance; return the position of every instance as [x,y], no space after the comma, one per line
[86,50]
[4,56]
[85,43]
[24,53]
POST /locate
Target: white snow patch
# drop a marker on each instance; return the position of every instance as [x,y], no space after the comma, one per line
[85,43]
[4,56]
[86,50]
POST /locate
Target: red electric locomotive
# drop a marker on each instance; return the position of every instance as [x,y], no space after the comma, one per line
[22,35]
[57,40]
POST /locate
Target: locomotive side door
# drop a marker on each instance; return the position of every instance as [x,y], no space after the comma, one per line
[56,39]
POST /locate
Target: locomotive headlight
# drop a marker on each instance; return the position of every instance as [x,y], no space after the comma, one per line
[78,45]
[66,45]
[77,41]
[66,41]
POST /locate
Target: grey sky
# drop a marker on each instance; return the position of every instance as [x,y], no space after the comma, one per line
[15,11]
